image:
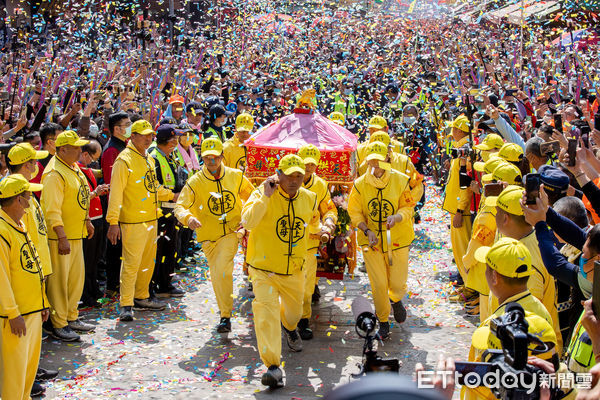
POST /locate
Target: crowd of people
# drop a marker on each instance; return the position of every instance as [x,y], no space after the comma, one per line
[123,158]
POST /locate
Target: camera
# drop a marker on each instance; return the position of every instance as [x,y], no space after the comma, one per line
[461,152]
[511,329]
[366,322]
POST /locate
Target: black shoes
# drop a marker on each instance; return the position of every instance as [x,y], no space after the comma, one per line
[384,330]
[37,389]
[45,374]
[399,311]
[126,314]
[273,378]
[305,332]
[224,325]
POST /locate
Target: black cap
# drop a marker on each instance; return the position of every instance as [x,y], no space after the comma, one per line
[195,107]
[218,110]
[166,132]
[391,88]
[167,121]
[211,101]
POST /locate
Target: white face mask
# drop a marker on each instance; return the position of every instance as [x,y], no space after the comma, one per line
[409,120]
[127,134]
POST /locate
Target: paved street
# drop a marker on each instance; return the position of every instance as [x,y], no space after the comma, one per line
[177,354]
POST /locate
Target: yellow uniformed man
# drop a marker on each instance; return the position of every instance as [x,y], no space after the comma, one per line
[23,302]
[508,267]
[400,162]
[280,216]
[381,206]
[491,144]
[65,202]
[211,204]
[484,234]
[133,210]
[457,200]
[311,155]
[378,123]
[511,223]
[234,150]
[22,159]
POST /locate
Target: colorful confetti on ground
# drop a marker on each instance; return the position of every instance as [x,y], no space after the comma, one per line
[177,353]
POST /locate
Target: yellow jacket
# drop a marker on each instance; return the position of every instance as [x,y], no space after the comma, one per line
[327,209]
[134,191]
[217,204]
[484,234]
[36,228]
[22,289]
[541,285]
[539,325]
[372,200]
[402,163]
[279,227]
[65,200]
[456,198]
[234,154]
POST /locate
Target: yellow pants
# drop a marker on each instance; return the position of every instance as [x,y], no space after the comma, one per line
[277,301]
[20,358]
[220,256]
[484,307]
[139,254]
[65,285]
[310,279]
[387,283]
[460,237]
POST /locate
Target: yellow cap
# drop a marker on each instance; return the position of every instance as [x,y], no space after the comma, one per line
[15,184]
[489,166]
[377,122]
[507,172]
[491,141]
[507,256]
[291,163]
[380,136]
[509,200]
[244,122]
[511,152]
[23,152]
[337,117]
[484,339]
[211,146]
[310,154]
[69,138]
[142,127]
[461,122]
[377,151]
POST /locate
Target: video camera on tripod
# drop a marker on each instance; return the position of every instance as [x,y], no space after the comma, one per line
[508,364]
[366,324]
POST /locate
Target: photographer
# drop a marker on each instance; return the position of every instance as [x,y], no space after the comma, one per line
[457,202]
[508,268]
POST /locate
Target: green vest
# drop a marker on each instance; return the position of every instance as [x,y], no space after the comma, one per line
[168,176]
[579,353]
[346,107]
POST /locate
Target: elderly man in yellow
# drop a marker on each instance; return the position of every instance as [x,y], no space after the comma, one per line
[23,302]
[22,159]
[65,202]
[484,234]
[133,210]
[511,223]
[457,201]
[381,206]
[311,155]
[400,162]
[211,204]
[508,268]
[234,151]
[280,215]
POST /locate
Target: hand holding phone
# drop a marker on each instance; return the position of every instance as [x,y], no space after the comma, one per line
[558,122]
[572,152]
[550,147]
[532,188]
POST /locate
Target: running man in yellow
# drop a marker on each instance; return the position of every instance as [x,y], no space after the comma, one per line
[211,204]
[234,150]
[381,206]
[280,215]
[311,155]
